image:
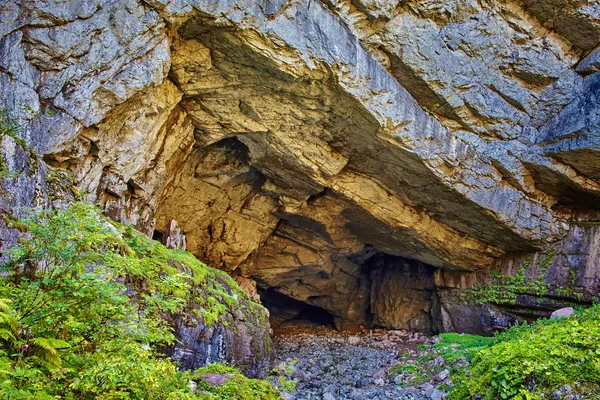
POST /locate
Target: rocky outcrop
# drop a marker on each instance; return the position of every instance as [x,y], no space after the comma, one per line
[295,141]
[521,287]
[237,332]
[220,323]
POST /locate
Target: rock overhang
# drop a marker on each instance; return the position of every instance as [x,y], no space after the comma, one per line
[283,145]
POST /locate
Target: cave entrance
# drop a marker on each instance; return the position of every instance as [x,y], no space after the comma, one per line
[290,314]
[158,235]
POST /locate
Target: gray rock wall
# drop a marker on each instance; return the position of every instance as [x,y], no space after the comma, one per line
[566,274]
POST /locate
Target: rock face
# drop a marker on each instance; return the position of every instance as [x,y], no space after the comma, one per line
[537,284]
[369,158]
[402,293]
[239,337]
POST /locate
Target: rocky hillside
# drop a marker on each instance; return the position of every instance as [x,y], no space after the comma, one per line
[382,161]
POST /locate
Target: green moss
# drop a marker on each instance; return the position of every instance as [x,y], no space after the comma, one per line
[212,292]
[454,345]
[237,386]
[588,223]
[547,261]
[506,288]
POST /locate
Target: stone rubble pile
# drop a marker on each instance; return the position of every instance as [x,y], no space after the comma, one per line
[333,366]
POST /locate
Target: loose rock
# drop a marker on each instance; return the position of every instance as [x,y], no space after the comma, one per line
[562,312]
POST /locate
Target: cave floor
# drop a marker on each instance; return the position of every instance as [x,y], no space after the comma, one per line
[328,364]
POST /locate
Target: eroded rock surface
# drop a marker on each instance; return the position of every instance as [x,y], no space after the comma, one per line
[298,143]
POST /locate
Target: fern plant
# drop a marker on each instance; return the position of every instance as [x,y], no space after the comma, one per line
[73,330]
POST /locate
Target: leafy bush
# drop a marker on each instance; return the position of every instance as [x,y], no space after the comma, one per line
[532,361]
[69,326]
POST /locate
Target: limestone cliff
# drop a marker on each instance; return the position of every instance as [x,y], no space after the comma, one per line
[361,156]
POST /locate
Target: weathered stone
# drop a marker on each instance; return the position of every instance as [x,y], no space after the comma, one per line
[401,293]
[562,312]
[353,340]
[173,237]
[573,137]
[443,375]
[249,286]
[236,338]
[563,390]
[577,20]
[437,395]
[589,64]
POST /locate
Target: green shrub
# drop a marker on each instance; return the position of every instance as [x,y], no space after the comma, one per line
[532,361]
[71,329]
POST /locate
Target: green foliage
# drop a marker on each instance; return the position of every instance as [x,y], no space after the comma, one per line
[529,280]
[455,345]
[532,361]
[70,328]
[529,361]
[236,387]
[281,377]
[505,288]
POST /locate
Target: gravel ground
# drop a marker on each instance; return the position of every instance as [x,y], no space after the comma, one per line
[328,365]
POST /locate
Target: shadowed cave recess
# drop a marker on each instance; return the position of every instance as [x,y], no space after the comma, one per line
[323,182]
[400,294]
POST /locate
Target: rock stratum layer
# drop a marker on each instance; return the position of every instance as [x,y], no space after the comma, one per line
[373,159]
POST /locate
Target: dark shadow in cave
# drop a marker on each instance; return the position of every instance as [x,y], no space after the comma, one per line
[158,235]
[284,309]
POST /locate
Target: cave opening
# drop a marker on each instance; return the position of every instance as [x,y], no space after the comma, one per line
[389,292]
[402,293]
[158,235]
[285,310]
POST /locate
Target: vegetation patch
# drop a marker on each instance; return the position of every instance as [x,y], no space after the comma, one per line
[86,304]
[532,361]
[451,351]
[505,288]
[528,362]
[236,385]
[529,280]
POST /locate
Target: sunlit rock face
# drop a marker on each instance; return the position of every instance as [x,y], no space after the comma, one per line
[339,153]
